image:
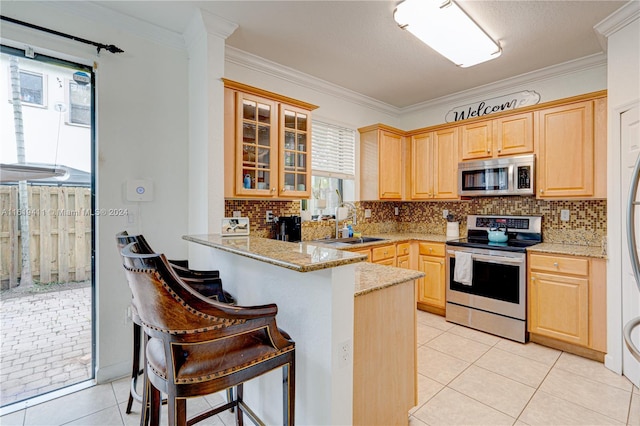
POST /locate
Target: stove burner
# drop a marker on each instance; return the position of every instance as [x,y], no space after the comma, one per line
[523,232]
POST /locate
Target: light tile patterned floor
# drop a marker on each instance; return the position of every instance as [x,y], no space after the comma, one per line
[465,377]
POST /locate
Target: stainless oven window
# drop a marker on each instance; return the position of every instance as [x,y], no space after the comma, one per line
[492,280]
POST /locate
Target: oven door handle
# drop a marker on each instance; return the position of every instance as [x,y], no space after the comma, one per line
[494,259]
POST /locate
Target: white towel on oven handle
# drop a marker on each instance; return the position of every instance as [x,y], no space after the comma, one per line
[463,272]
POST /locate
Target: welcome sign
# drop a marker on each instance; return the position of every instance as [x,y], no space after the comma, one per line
[493,105]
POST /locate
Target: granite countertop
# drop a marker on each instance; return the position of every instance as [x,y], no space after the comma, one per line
[390,238]
[555,248]
[568,249]
[301,257]
[371,277]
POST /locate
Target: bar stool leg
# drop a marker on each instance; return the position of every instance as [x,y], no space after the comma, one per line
[239,414]
[135,367]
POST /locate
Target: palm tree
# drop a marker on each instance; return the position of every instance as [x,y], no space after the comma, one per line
[26,279]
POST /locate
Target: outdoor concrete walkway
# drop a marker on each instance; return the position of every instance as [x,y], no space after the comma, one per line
[46,340]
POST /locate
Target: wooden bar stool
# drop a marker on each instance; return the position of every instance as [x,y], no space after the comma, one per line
[198,346]
[207,283]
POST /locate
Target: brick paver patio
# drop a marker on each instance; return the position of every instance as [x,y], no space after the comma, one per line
[46,340]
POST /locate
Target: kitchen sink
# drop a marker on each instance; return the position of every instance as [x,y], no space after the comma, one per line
[349,241]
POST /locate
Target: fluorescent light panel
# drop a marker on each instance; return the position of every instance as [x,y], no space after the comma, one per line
[448,30]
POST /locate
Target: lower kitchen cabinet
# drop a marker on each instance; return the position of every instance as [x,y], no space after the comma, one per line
[431,288]
[366,252]
[384,255]
[567,300]
[403,257]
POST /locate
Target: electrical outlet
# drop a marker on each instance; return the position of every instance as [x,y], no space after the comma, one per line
[396,211]
[565,215]
[344,354]
[367,213]
[237,213]
[269,216]
[445,213]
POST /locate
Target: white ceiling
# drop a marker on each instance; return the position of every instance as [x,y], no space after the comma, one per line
[357,44]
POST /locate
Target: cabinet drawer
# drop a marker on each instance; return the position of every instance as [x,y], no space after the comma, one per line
[384,252]
[564,265]
[402,249]
[432,249]
[366,252]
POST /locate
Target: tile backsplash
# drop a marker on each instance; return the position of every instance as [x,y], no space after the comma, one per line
[587,224]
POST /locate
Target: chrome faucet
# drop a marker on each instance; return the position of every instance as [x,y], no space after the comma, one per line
[351,215]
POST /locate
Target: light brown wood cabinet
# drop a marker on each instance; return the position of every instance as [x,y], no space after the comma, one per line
[567,299]
[504,136]
[434,165]
[382,163]
[384,255]
[571,150]
[366,252]
[403,255]
[267,144]
[431,288]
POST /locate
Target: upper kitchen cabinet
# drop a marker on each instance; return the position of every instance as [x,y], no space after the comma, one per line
[267,144]
[571,150]
[434,163]
[382,160]
[507,135]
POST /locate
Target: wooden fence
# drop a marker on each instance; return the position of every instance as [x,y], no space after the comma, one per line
[60,234]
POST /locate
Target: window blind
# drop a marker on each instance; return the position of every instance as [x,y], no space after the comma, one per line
[332,151]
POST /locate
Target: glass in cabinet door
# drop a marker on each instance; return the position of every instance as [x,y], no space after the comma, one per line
[296,153]
[255,174]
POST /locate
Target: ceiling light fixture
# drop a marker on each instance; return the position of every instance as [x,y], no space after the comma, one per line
[448,30]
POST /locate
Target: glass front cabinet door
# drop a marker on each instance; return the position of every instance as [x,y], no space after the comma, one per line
[257,146]
[267,144]
[295,152]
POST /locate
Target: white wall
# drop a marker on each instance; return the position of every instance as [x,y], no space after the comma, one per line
[142,132]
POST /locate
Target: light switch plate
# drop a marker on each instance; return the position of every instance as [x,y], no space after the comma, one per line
[565,215]
[367,213]
[445,213]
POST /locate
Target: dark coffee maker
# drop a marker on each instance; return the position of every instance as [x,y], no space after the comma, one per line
[288,228]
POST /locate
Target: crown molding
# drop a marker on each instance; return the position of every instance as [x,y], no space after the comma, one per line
[619,19]
[264,66]
[530,78]
[120,21]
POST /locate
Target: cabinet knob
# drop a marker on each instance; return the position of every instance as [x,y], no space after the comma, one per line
[273,190]
[442,262]
[386,252]
[430,249]
[499,150]
[555,264]
[533,278]
[284,189]
[488,151]
[542,191]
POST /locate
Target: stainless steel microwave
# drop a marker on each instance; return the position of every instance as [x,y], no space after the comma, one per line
[502,176]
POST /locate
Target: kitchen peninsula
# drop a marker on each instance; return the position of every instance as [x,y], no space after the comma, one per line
[345,316]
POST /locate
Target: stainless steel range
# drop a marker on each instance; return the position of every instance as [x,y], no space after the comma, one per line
[486,287]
